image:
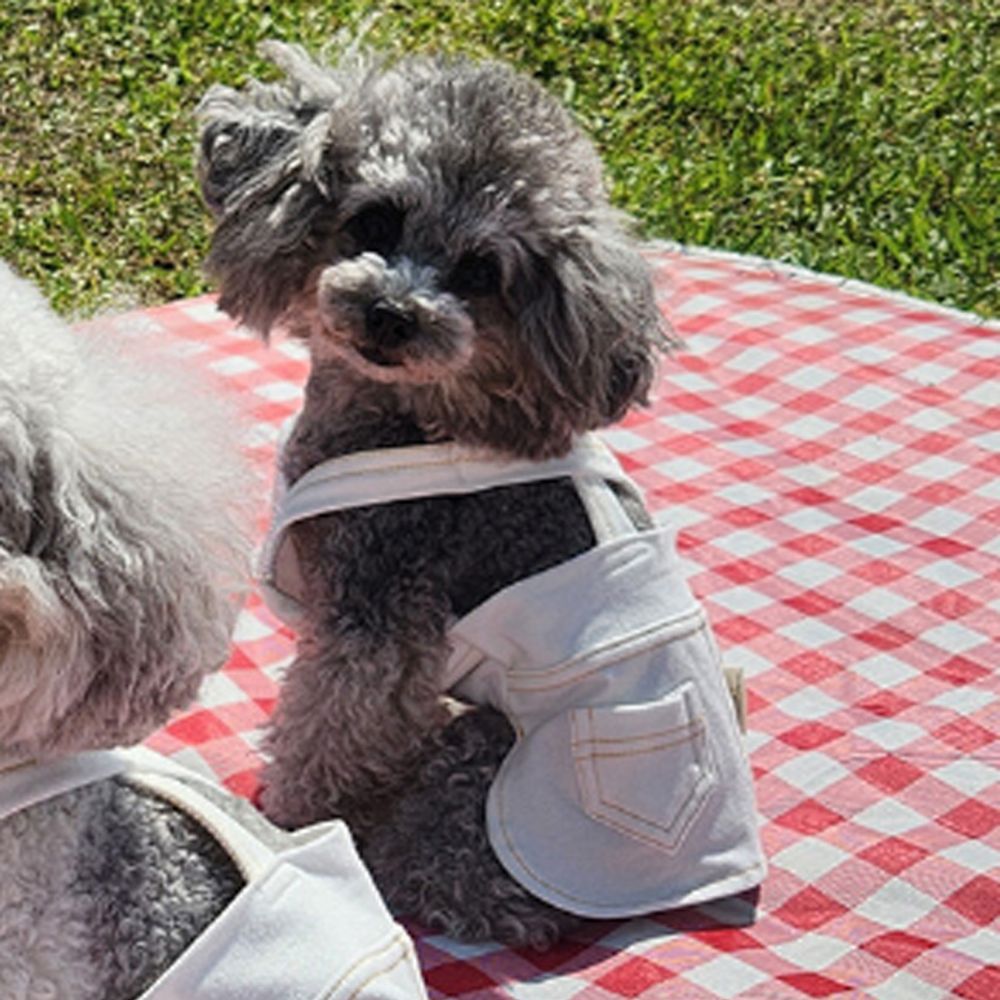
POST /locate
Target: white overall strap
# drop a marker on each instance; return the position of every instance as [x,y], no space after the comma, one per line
[32,784]
[170,782]
[311,928]
[407,473]
[375,477]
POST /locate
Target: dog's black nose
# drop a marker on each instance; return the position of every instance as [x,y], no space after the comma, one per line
[388,325]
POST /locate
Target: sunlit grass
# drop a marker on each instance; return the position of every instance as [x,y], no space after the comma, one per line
[857,138]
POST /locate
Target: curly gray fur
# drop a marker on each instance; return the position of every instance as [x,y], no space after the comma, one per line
[439,234]
[123,555]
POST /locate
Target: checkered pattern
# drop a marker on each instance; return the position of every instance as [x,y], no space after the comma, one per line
[831,454]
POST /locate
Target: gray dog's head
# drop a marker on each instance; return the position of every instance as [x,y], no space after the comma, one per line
[440,228]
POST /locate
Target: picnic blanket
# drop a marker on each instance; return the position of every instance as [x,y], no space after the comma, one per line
[831,453]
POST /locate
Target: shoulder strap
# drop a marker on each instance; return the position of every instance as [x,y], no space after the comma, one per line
[374,477]
[250,855]
[32,784]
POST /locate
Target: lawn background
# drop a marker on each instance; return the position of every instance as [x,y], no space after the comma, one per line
[858,138]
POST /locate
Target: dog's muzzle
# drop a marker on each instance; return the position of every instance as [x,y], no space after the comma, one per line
[394,317]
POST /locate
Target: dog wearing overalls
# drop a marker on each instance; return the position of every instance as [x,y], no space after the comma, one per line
[502,682]
[123,551]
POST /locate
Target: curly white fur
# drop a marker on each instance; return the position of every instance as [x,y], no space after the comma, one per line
[121,550]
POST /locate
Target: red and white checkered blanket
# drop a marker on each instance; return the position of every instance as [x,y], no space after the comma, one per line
[832,453]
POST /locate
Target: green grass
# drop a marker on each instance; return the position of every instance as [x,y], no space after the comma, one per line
[860,138]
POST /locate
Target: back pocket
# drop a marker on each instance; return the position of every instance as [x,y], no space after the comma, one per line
[646,769]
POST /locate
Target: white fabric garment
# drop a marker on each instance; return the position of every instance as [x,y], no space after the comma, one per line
[406,473]
[627,790]
[309,924]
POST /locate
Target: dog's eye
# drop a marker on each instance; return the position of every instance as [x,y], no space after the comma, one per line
[475,274]
[376,228]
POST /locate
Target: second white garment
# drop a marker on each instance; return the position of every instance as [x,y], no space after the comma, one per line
[308,925]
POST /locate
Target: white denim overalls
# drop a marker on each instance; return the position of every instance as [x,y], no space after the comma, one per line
[308,925]
[628,790]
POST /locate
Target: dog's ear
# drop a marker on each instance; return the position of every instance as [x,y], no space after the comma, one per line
[240,146]
[266,136]
[274,159]
[594,325]
[39,646]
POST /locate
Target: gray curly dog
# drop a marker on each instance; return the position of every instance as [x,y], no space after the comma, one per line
[437,231]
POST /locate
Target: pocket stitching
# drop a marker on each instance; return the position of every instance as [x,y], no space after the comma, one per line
[693,728]
[701,783]
[600,807]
